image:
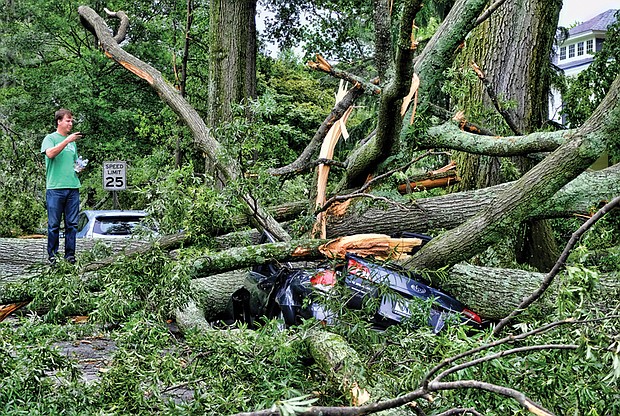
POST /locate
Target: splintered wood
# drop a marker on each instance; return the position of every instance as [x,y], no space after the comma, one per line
[338,129]
[442,177]
[6,310]
[379,246]
[413,95]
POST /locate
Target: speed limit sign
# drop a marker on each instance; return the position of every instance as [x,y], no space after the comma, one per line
[114,176]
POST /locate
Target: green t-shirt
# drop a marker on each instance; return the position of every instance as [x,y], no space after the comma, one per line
[59,170]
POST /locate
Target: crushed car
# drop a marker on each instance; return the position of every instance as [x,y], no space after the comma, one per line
[294,294]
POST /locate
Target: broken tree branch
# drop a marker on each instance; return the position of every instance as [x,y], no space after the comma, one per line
[365,159]
[491,93]
[324,66]
[488,12]
[449,136]
[121,32]
[433,179]
[226,166]
[465,125]
[361,192]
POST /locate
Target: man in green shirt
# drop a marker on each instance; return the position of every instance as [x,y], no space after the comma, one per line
[62,185]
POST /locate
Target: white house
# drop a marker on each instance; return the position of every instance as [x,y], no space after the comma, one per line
[577,51]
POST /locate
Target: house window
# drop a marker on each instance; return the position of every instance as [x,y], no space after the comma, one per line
[562,53]
[590,46]
[580,49]
[571,51]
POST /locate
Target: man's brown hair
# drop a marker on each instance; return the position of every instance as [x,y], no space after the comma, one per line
[60,114]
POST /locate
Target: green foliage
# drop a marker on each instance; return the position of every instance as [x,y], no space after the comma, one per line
[62,293]
[584,93]
[292,104]
[36,377]
[460,86]
[148,283]
[182,200]
[233,370]
[293,405]
[26,387]
[599,248]
[20,213]
[269,364]
[337,29]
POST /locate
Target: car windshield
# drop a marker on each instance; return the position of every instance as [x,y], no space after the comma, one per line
[116,225]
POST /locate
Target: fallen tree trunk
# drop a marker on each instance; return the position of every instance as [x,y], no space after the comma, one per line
[339,361]
[445,212]
[211,296]
[20,256]
[491,292]
[526,195]
[227,168]
[579,196]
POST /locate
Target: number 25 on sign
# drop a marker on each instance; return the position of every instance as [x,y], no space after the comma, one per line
[114,176]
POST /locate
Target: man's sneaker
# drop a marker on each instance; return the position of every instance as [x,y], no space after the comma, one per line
[52,261]
[71,259]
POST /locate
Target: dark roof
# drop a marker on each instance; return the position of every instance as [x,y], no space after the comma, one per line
[600,22]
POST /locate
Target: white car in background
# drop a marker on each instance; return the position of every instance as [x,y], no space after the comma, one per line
[112,224]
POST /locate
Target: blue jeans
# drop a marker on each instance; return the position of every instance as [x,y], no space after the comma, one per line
[62,202]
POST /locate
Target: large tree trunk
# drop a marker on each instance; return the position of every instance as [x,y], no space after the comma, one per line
[436,57]
[512,48]
[232,67]
[232,63]
[517,71]
[425,215]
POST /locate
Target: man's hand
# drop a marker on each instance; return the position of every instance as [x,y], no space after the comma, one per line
[74,136]
[52,152]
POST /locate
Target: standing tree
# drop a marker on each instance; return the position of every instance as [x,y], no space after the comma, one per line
[515,83]
[232,49]
[232,63]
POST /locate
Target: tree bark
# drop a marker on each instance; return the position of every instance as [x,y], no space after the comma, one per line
[525,195]
[232,63]
[452,210]
[430,65]
[365,159]
[232,48]
[449,136]
[517,71]
[425,215]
